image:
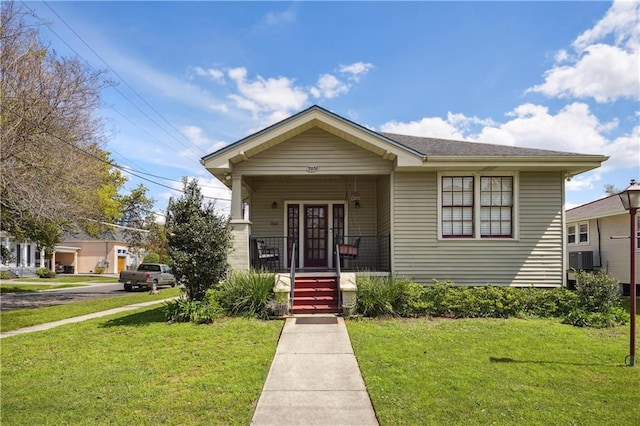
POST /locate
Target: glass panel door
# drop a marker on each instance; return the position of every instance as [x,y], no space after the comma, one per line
[315,236]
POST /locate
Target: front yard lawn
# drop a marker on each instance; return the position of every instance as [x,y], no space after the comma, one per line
[488,371]
[133,368]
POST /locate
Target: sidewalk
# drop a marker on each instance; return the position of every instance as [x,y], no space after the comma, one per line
[49,325]
[314,378]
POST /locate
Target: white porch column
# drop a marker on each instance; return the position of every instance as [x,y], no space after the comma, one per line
[42,259]
[23,259]
[32,261]
[75,262]
[238,256]
[53,261]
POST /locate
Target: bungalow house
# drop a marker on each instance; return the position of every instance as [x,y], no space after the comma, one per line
[591,240]
[318,199]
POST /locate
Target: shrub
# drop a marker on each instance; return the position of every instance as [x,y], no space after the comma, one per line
[582,318]
[597,292]
[4,275]
[45,273]
[185,310]
[385,296]
[247,293]
[100,269]
[151,258]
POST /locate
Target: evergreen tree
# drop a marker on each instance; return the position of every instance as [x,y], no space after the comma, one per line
[198,240]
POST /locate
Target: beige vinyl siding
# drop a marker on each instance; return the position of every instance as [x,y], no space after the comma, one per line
[267,221]
[593,241]
[535,258]
[314,148]
[615,252]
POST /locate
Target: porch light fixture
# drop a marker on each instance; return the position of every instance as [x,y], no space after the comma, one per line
[274,205]
[630,198]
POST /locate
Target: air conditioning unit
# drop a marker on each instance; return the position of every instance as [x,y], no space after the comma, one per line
[581,260]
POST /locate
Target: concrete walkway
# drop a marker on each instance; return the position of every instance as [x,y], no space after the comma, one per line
[49,325]
[314,378]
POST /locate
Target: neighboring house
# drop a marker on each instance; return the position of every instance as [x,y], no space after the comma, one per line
[419,207]
[23,257]
[591,242]
[77,253]
[81,253]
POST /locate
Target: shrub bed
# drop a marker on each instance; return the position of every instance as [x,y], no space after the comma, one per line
[592,305]
[45,273]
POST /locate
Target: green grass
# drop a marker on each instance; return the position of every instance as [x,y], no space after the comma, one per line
[133,368]
[503,372]
[12,320]
[25,288]
[70,279]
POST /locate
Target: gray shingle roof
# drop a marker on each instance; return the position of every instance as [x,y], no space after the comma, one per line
[445,147]
[78,234]
[607,206]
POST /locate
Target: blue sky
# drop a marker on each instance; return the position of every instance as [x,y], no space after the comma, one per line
[194,76]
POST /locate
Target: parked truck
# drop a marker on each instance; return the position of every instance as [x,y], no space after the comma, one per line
[148,276]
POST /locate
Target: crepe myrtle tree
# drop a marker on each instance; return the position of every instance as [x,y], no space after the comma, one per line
[198,240]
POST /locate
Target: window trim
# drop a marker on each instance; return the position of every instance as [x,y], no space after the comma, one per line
[577,233]
[515,208]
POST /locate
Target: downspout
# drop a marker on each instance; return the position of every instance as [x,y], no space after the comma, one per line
[599,241]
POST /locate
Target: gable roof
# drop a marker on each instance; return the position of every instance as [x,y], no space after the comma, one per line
[608,206]
[408,152]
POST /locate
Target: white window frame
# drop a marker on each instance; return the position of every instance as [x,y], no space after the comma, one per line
[577,233]
[515,215]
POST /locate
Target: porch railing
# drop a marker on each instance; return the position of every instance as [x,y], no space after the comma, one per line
[356,253]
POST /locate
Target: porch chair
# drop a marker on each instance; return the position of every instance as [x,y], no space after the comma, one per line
[268,257]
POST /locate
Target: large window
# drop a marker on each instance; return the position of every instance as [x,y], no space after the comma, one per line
[496,206]
[469,210]
[578,233]
[457,207]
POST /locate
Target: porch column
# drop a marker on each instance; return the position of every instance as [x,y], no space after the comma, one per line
[24,262]
[53,261]
[34,247]
[238,256]
[42,259]
[75,262]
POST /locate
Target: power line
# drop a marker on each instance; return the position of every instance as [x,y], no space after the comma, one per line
[191,144]
[110,163]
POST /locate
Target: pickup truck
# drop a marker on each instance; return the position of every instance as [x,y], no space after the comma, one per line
[148,276]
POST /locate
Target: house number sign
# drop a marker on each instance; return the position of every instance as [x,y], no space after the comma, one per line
[312,169]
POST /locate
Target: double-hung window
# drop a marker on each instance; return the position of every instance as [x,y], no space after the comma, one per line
[457,207]
[477,206]
[496,206]
[578,233]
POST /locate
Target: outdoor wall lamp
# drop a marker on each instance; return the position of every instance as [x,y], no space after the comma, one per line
[630,198]
[274,205]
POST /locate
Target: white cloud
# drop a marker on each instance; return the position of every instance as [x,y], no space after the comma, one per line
[356,70]
[434,127]
[273,19]
[600,68]
[213,73]
[328,87]
[266,96]
[603,72]
[196,136]
[621,20]
[585,181]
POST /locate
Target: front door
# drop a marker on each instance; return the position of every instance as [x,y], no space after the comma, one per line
[315,236]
